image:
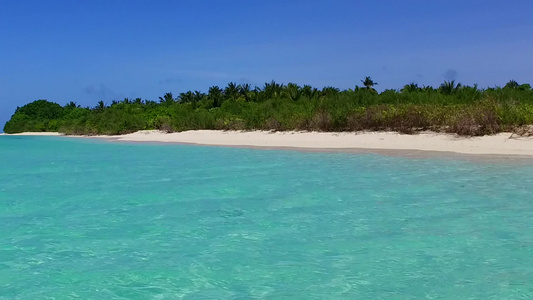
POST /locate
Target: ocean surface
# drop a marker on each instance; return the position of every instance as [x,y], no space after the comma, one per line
[93,219]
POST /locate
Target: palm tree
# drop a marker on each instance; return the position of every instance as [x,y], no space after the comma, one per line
[186,97]
[259,94]
[330,91]
[198,96]
[167,99]
[231,91]
[272,89]
[427,88]
[101,105]
[368,82]
[309,91]
[245,90]
[71,104]
[410,88]
[215,94]
[291,91]
[449,87]
[512,84]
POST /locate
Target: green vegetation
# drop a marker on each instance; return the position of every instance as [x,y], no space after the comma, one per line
[453,108]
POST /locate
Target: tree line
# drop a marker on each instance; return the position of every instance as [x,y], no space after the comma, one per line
[451,107]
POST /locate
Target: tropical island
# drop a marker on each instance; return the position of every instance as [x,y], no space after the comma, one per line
[450,108]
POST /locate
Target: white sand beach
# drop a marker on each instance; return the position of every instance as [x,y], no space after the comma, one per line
[500,144]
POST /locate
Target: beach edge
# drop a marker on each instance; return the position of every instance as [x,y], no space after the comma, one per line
[499,144]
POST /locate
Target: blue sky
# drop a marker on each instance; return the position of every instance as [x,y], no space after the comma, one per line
[86,51]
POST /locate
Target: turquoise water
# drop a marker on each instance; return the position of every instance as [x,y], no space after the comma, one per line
[97,220]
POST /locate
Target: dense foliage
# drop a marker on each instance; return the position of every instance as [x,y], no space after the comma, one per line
[454,108]
[39,115]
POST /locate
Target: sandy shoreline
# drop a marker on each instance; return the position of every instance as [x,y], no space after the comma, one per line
[500,144]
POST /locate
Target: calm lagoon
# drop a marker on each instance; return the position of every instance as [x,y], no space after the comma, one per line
[92,219]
